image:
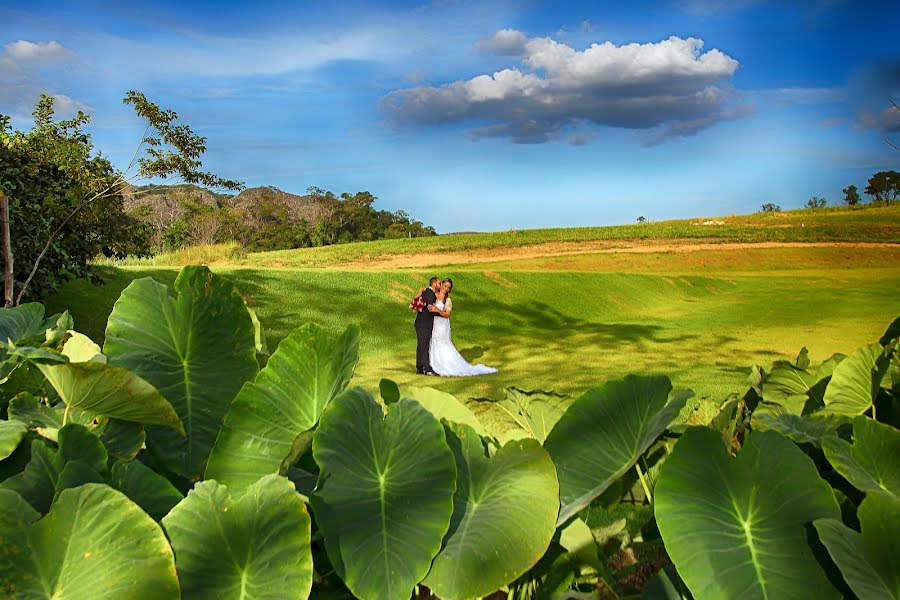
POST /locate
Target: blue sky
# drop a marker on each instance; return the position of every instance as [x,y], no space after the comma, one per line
[489,115]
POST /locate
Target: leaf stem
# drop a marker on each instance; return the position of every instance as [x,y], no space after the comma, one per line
[643,483]
[65,415]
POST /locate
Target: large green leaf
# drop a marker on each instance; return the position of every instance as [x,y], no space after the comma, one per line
[385,493]
[250,545]
[504,516]
[197,349]
[97,388]
[11,434]
[308,369]
[20,322]
[37,483]
[809,429]
[443,406]
[869,560]
[95,543]
[734,527]
[854,384]
[152,492]
[872,463]
[603,434]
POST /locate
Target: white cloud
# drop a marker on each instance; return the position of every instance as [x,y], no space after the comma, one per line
[505,41]
[21,82]
[671,83]
[22,51]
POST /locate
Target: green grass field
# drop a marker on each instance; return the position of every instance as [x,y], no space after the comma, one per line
[567,309]
[565,331]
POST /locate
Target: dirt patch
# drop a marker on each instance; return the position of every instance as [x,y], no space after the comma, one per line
[494,276]
[420,260]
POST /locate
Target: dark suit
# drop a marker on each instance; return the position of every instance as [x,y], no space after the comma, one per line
[424,325]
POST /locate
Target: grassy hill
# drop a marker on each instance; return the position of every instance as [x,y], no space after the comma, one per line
[829,226]
[567,309]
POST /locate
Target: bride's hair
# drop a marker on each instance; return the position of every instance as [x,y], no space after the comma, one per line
[451,286]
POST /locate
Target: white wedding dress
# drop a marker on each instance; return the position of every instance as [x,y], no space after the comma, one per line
[445,360]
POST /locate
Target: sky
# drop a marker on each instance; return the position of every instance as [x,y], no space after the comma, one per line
[488,116]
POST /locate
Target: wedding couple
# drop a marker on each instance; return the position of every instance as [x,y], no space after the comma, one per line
[435,353]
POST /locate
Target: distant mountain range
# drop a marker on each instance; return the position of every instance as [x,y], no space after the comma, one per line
[162,205]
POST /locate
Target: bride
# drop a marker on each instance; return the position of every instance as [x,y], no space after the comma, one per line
[445,360]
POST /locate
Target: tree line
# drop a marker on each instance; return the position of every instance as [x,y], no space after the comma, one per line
[62,203]
[883,186]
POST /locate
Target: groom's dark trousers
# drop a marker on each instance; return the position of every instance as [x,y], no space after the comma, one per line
[424,325]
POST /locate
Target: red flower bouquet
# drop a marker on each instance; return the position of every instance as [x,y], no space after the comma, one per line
[418,304]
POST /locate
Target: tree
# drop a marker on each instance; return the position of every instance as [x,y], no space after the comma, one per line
[67,178]
[816,202]
[642,219]
[884,186]
[770,207]
[851,195]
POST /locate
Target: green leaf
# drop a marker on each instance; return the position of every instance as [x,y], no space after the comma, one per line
[603,434]
[37,483]
[855,381]
[101,389]
[869,560]
[147,489]
[11,434]
[385,493]
[504,516]
[809,429]
[75,474]
[789,386]
[95,543]
[443,406]
[20,322]
[307,370]
[253,544]
[660,587]
[389,391]
[536,412]
[197,349]
[891,333]
[872,463]
[734,527]
[122,439]
[81,348]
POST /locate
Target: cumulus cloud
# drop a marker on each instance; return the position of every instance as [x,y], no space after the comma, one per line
[887,121]
[21,65]
[24,51]
[505,41]
[670,84]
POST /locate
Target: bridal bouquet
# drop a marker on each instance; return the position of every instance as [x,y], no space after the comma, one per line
[417,304]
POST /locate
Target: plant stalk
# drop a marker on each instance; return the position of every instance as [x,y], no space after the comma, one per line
[644,483]
[6,249]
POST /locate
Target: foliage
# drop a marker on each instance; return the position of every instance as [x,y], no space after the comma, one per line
[355,496]
[66,206]
[851,195]
[816,202]
[770,207]
[46,173]
[884,186]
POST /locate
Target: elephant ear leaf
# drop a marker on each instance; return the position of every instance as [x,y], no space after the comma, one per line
[604,433]
[94,543]
[11,434]
[308,369]
[872,463]
[252,544]
[855,381]
[728,523]
[868,560]
[504,516]
[385,492]
[197,348]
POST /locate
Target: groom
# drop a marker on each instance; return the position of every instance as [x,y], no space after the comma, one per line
[424,325]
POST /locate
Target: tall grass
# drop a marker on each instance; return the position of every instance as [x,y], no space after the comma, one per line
[203,254]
